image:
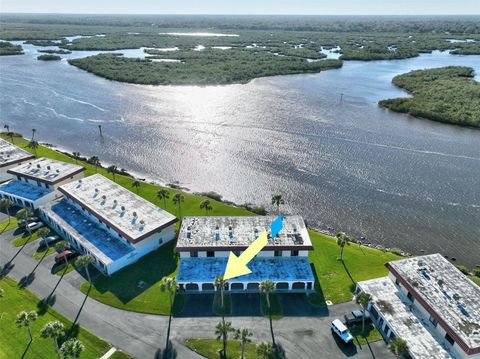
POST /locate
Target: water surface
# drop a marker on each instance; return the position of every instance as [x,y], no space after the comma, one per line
[347,164]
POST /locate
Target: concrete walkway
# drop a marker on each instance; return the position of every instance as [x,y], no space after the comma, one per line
[142,334]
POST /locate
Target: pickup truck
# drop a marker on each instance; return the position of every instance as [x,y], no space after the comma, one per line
[356,317]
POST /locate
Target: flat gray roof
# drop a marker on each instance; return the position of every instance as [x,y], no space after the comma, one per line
[125,212]
[446,291]
[11,154]
[46,170]
[404,320]
[227,232]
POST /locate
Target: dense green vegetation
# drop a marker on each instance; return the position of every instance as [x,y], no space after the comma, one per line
[200,67]
[60,51]
[14,340]
[275,45]
[48,57]
[7,48]
[448,94]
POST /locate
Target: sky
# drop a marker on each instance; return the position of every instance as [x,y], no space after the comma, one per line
[247,7]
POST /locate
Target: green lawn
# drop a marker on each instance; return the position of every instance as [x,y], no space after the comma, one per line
[209,348]
[335,283]
[122,289]
[13,340]
[371,334]
[7,225]
[120,355]
[25,238]
[474,279]
[43,252]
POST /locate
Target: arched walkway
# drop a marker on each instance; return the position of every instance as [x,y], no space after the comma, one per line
[236,286]
[298,285]
[208,286]
[282,285]
[191,286]
[252,286]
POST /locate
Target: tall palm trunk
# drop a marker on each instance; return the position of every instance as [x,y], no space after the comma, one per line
[56,347]
[270,318]
[224,338]
[29,332]
[341,252]
[221,295]
[243,350]
[169,320]
[8,213]
[88,275]
[363,321]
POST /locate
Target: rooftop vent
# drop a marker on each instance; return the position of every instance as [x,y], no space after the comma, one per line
[58,171]
[38,165]
[48,168]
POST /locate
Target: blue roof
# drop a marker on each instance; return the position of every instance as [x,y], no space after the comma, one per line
[25,190]
[108,244]
[276,269]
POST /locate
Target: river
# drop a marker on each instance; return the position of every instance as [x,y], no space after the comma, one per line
[398,181]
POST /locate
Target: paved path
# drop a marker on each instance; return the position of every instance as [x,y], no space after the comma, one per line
[142,334]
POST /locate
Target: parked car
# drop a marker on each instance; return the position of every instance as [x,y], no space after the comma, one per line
[356,317]
[33,226]
[70,254]
[341,330]
[23,222]
[49,240]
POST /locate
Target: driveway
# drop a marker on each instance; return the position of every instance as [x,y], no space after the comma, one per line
[301,335]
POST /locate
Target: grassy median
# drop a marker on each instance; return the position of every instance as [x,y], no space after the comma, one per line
[14,340]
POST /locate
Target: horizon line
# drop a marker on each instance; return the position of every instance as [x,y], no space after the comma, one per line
[210,14]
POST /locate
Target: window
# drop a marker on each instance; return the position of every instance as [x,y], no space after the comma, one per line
[210,254]
[294,254]
[410,296]
[193,254]
[278,253]
[449,339]
[433,321]
[160,241]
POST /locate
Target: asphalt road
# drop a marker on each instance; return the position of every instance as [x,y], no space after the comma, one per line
[143,335]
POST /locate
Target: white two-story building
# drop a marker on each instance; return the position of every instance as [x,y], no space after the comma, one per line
[11,156]
[36,182]
[204,244]
[430,304]
[110,223]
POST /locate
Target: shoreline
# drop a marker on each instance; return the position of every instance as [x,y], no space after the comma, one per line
[176,185]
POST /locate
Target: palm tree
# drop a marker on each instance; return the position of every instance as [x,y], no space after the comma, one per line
[60,247]
[76,156]
[6,204]
[277,200]
[33,145]
[24,319]
[112,169]
[363,299]
[265,350]
[267,287]
[205,204]
[100,130]
[398,347]
[25,214]
[53,330]
[243,336]
[342,241]
[33,133]
[72,348]
[42,233]
[220,283]
[221,331]
[94,160]
[84,262]
[169,284]
[136,185]
[163,194]
[178,198]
